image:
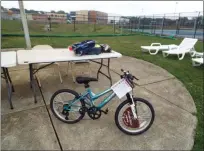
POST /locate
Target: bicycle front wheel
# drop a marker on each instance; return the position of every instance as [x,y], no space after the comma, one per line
[64,109]
[124,117]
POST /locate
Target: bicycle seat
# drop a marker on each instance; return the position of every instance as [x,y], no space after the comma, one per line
[85,80]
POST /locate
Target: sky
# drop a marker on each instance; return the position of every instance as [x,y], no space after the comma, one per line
[125,8]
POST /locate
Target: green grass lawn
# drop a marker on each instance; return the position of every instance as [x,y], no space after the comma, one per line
[15,27]
[192,77]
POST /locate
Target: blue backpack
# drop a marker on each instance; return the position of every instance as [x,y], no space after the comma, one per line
[86,47]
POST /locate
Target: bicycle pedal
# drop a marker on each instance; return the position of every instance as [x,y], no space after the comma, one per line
[105,112]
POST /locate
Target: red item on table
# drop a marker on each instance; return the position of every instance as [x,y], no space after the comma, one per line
[70,48]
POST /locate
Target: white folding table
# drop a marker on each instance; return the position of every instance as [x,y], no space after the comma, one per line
[60,55]
[8,59]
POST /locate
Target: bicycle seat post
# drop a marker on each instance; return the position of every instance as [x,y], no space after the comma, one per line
[86,85]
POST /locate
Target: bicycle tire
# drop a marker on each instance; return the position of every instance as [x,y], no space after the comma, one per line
[73,93]
[128,102]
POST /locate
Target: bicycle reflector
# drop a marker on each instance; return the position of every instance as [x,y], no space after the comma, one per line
[128,119]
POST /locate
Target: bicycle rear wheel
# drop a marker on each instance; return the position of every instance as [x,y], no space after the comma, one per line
[125,121]
[62,107]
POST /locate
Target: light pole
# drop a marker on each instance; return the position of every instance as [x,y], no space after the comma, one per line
[142,21]
[175,9]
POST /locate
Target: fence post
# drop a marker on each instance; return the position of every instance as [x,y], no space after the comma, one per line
[135,23]
[143,24]
[131,26]
[114,25]
[120,26]
[121,30]
[139,25]
[155,26]
[178,25]
[152,25]
[74,25]
[94,19]
[195,24]
[49,19]
[162,26]
[95,25]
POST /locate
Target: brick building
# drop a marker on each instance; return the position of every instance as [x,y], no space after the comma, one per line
[82,16]
[98,17]
[57,18]
[40,17]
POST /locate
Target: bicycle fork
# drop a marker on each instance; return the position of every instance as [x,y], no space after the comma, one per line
[129,97]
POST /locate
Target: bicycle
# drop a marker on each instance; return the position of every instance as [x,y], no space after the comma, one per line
[130,116]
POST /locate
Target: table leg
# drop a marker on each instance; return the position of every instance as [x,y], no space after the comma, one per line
[99,70]
[8,75]
[8,87]
[108,67]
[109,71]
[32,82]
[31,73]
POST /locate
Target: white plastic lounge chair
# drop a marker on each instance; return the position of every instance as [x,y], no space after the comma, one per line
[186,46]
[85,64]
[154,48]
[199,54]
[56,65]
[72,65]
[197,61]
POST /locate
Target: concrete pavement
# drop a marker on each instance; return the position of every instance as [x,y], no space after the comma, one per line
[29,125]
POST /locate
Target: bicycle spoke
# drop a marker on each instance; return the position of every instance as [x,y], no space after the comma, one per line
[127,121]
[144,117]
[66,107]
[57,102]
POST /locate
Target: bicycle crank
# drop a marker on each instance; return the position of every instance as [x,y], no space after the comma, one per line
[94,113]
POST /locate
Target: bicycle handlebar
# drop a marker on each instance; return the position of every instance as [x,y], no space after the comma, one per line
[127,73]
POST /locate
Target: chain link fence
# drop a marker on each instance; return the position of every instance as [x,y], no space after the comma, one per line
[177,24]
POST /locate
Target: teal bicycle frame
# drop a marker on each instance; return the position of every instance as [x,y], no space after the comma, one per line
[92,98]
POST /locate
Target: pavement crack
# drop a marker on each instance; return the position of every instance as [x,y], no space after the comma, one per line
[157,81]
[50,118]
[168,101]
[147,83]
[142,86]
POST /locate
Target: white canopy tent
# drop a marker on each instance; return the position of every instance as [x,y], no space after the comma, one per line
[32,57]
[25,25]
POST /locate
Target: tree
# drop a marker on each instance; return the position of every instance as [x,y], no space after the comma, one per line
[183,21]
[15,10]
[52,11]
[31,11]
[60,12]
[42,12]
[112,21]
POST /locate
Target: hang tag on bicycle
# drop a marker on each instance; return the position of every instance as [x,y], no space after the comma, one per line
[121,88]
